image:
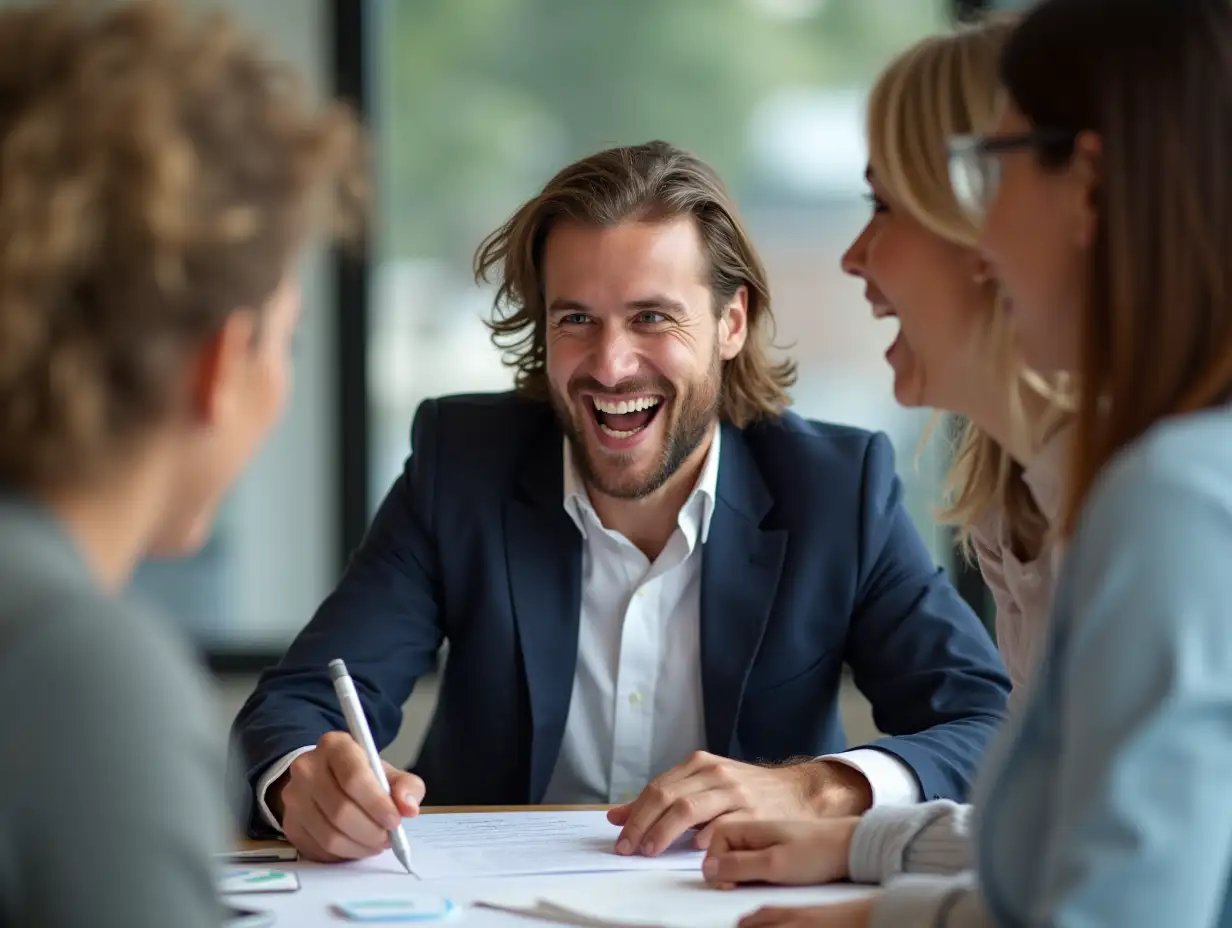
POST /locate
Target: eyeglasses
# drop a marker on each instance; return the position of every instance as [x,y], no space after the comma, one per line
[975,165]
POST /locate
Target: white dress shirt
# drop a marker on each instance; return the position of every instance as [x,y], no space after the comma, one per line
[636,708]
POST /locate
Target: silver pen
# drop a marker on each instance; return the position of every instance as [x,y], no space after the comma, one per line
[344,686]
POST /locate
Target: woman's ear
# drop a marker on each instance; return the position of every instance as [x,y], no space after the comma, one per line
[1086,172]
[982,274]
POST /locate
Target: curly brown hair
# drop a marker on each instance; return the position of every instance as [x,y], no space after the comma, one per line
[157,174]
[649,182]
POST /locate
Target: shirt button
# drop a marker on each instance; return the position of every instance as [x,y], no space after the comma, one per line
[635,699]
[641,592]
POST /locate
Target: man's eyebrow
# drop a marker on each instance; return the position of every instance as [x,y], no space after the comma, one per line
[658,301]
[568,306]
[654,301]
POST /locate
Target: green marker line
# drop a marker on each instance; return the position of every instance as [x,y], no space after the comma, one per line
[265,877]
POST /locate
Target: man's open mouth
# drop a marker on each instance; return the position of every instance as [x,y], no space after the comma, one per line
[626,417]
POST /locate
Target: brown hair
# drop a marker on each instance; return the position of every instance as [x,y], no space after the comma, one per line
[156,175]
[947,85]
[1154,81]
[649,182]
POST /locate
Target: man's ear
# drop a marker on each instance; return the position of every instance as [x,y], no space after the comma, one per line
[213,385]
[734,325]
[1086,171]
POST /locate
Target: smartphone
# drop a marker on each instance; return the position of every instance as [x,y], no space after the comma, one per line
[246,918]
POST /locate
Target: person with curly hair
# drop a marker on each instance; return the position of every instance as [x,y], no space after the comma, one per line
[158,177]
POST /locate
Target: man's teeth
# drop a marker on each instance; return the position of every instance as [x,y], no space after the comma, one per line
[881,311]
[617,433]
[621,407]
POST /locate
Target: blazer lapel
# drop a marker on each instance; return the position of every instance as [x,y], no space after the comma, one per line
[543,550]
[741,564]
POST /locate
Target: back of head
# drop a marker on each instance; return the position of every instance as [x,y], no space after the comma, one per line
[651,182]
[942,86]
[156,175]
[1153,79]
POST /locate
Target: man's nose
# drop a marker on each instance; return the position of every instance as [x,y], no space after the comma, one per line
[615,358]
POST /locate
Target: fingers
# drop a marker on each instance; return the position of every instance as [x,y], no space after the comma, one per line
[731,833]
[350,771]
[334,841]
[646,809]
[666,811]
[334,807]
[406,789]
[854,914]
[308,828]
[304,842]
[771,915]
[788,853]
[344,815]
[705,837]
[619,815]
[742,867]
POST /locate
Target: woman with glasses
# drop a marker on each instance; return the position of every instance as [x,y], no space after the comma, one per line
[1107,215]
[158,178]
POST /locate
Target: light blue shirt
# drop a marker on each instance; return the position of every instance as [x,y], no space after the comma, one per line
[1109,800]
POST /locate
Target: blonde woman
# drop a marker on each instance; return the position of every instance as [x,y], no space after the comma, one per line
[954,352]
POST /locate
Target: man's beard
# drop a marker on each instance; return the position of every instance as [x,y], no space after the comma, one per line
[695,410]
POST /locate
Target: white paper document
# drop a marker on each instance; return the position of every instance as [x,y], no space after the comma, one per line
[445,845]
[657,900]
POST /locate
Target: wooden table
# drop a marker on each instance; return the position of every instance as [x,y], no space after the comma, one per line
[248,843]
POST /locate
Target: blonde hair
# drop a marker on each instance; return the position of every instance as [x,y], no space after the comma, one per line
[947,85]
[157,173]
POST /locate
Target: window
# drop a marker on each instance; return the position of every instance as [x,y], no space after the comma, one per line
[477,104]
[272,556]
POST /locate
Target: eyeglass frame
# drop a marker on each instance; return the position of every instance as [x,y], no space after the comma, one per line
[964,151]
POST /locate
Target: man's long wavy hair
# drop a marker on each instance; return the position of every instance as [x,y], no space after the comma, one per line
[651,182]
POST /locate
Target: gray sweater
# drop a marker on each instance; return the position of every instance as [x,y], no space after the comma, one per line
[111,785]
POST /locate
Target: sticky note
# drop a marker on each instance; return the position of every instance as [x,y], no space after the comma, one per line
[418,908]
[257,880]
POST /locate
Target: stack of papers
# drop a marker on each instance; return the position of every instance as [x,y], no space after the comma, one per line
[529,843]
[659,899]
[567,872]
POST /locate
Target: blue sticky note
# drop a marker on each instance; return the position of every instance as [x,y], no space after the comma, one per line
[417,908]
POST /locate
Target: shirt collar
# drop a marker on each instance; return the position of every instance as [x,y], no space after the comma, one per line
[695,514]
[1044,476]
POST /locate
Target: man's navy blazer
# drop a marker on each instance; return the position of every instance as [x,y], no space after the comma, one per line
[811,562]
